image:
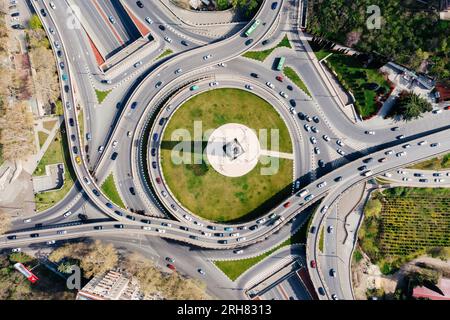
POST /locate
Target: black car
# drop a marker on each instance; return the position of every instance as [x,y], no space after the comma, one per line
[254,227]
[72,137]
[161,27]
[293,103]
[254,75]
[71,122]
[44,14]
[321,291]
[337,179]
[274,5]
[118,226]
[158,84]
[18,26]
[313,229]
[131,217]
[161,121]
[132,191]
[59,53]
[301,116]
[154,164]
[82,216]
[15,14]
[118,213]
[362,168]
[321,163]
[66,88]
[133,105]
[265,42]
[248,42]
[193,237]
[34,235]
[184,43]
[139,4]
[114,156]
[75,149]
[223,241]
[212,227]
[98,227]
[368,160]
[13,237]
[153,152]
[316,119]
[184,228]
[290,88]
[94,191]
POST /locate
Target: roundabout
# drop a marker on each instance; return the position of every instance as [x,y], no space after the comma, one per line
[226,155]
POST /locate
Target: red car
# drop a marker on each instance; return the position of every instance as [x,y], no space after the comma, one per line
[447,108]
[313,263]
[158,180]
[287,204]
[171,267]
[279,78]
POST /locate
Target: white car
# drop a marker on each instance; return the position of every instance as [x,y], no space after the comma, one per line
[137,64]
[326,138]
[262,220]
[236,234]
[401,172]
[240,251]
[164,194]
[16,250]
[283,94]
[401,154]
[406,179]
[324,209]
[213,84]
[52,5]
[146,228]
[51,242]
[270,84]
[370,133]
[114,144]
[292,110]
[68,213]
[27,220]
[111,18]
[341,152]
[86,180]
[57,45]
[322,184]
[241,239]
[406,146]
[187,217]
[161,230]
[178,71]
[168,39]
[52,31]
[249,87]
[389,152]
[437,111]
[367,173]
[222,64]
[387,174]
[149,21]
[207,57]
[206,234]
[199,224]
[340,143]
[61,231]
[128,134]
[101,148]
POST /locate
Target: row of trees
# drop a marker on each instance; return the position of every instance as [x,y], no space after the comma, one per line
[410,106]
[408,35]
[97,257]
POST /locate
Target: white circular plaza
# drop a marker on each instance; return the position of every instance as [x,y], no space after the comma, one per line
[233,150]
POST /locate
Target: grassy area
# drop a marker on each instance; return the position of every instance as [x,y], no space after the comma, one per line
[57,152]
[408,222]
[291,74]
[110,190]
[357,78]
[48,125]
[262,55]
[81,124]
[165,53]
[101,95]
[434,164]
[233,269]
[321,239]
[203,190]
[42,137]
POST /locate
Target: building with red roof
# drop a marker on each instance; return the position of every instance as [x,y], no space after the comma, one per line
[440,292]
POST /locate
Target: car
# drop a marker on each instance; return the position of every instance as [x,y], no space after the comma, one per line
[249,87]
[133,105]
[71,122]
[95,191]
[287,204]
[165,224]
[321,184]
[321,163]
[370,132]
[314,129]
[137,64]
[270,84]
[437,111]
[339,143]
[228,229]
[179,70]
[334,297]
[43,13]
[61,232]
[308,118]
[316,119]
[213,84]
[439,180]
[34,235]
[406,179]
[321,291]
[254,227]
[293,103]
[52,31]
[401,172]
[78,159]
[16,250]
[132,191]
[109,205]
[64,77]
[169,40]
[265,42]
[297,184]
[401,154]
[201,271]
[160,230]
[421,143]
[332,273]
[368,160]
[75,149]
[406,146]
[155,137]
[436,144]
[367,173]
[242,228]
[222,241]
[158,84]
[437,174]
[313,140]
[51,242]
[261,220]
[395,129]
[248,42]
[324,209]
[254,75]
[161,27]
[194,87]
[313,264]
[283,94]
[387,174]
[235,234]
[174,208]
[86,180]
[303,193]
[207,56]
[279,78]
[309,197]
[316,150]
[129,133]
[382,160]
[59,53]
[337,179]
[389,152]
[154,166]
[68,213]
[417,174]
[289,87]
[158,180]
[61,65]
[114,156]
[12,237]
[238,251]
[400,137]
[423,180]
[184,43]
[326,138]
[118,226]
[164,193]
[171,266]
[301,116]
[274,5]
[199,223]
[111,18]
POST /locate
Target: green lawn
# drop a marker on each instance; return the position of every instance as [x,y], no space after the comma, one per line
[42,137]
[233,269]
[165,53]
[354,77]
[434,164]
[321,238]
[110,189]
[101,95]
[81,124]
[57,152]
[262,55]
[291,74]
[203,190]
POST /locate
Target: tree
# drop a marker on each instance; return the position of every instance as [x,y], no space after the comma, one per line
[373,208]
[411,106]
[99,258]
[35,23]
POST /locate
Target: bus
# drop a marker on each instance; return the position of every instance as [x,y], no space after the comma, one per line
[252,27]
[280,63]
